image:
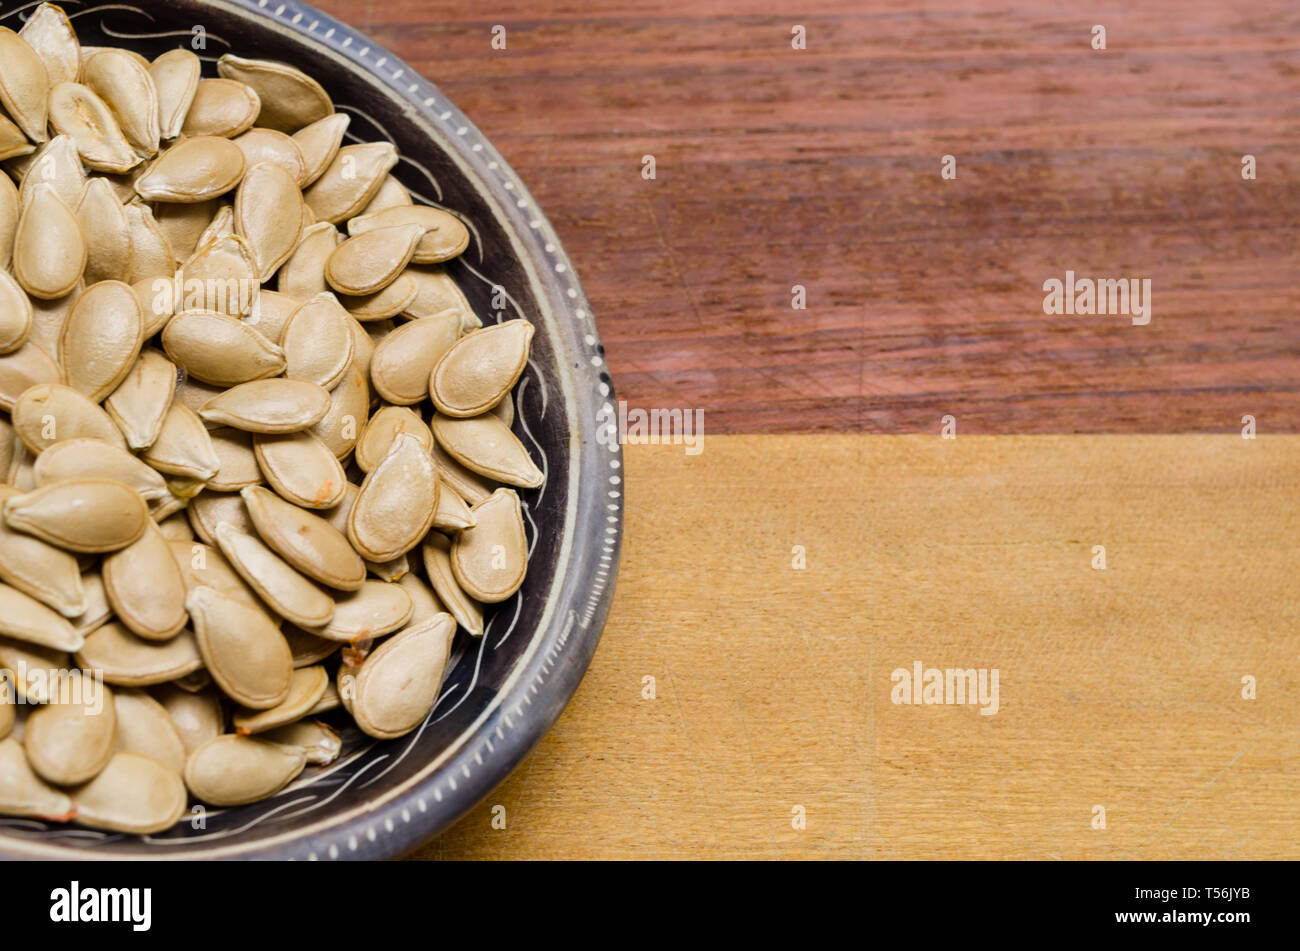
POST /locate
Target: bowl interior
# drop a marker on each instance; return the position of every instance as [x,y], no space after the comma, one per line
[504,275]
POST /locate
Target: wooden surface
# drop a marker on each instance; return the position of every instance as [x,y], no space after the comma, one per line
[1118,688]
[821,167]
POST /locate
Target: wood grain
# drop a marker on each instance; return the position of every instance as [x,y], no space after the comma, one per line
[1118,688]
[821,167]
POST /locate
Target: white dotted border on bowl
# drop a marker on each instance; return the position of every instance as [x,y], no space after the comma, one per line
[418,91]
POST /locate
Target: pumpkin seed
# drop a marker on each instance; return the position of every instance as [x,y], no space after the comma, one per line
[398,683]
[391,194]
[480,368]
[25,619]
[363,347]
[40,570]
[15,314]
[238,467]
[48,318]
[70,739]
[266,207]
[151,257]
[192,394]
[145,587]
[107,233]
[97,611]
[306,541]
[17,656]
[404,359]
[382,429]
[350,180]
[271,312]
[49,249]
[376,609]
[24,84]
[307,687]
[76,111]
[210,509]
[372,260]
[436,292]
[89,458]
[196,682]
[301,468]
[133,794]
[220,223]
[51,412]
[290,98]
[12,142]
[176,78]
[437,565]
[130,661]
[57,164]
[307,648]
[185,225]
[86,515]
[125,84]
[319,143]
[203,565]
[318,741]
[23,793]
[176,528]
[219,349]
[505,410]
[329,701]
[425,603]
[349,407]
[196,717]
[9,208]
[269,406]
[271,145]
[484,445]
[101,339]
[49,32]
[397,501]
[445,236]
[287,592]
[222,274]
[490,558]
[452,514]
[222,107]
[303,273]
[194,169]
[232,770]
[389,302]
[183,447]
[144,728]
[139,404]
[318,343]
[242,650]
[24,368]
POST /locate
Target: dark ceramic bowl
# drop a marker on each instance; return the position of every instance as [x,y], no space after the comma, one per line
[503,691]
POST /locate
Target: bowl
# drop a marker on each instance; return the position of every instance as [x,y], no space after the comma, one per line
[504,690]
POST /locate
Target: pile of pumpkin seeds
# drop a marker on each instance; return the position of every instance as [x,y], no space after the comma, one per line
[256,445]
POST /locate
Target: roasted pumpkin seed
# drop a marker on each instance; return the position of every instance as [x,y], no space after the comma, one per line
[480,368]
[398,682]
[85,515]
[232,770]
[305,691]
[242,650]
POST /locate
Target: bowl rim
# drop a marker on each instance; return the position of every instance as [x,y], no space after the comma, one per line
[544,677]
